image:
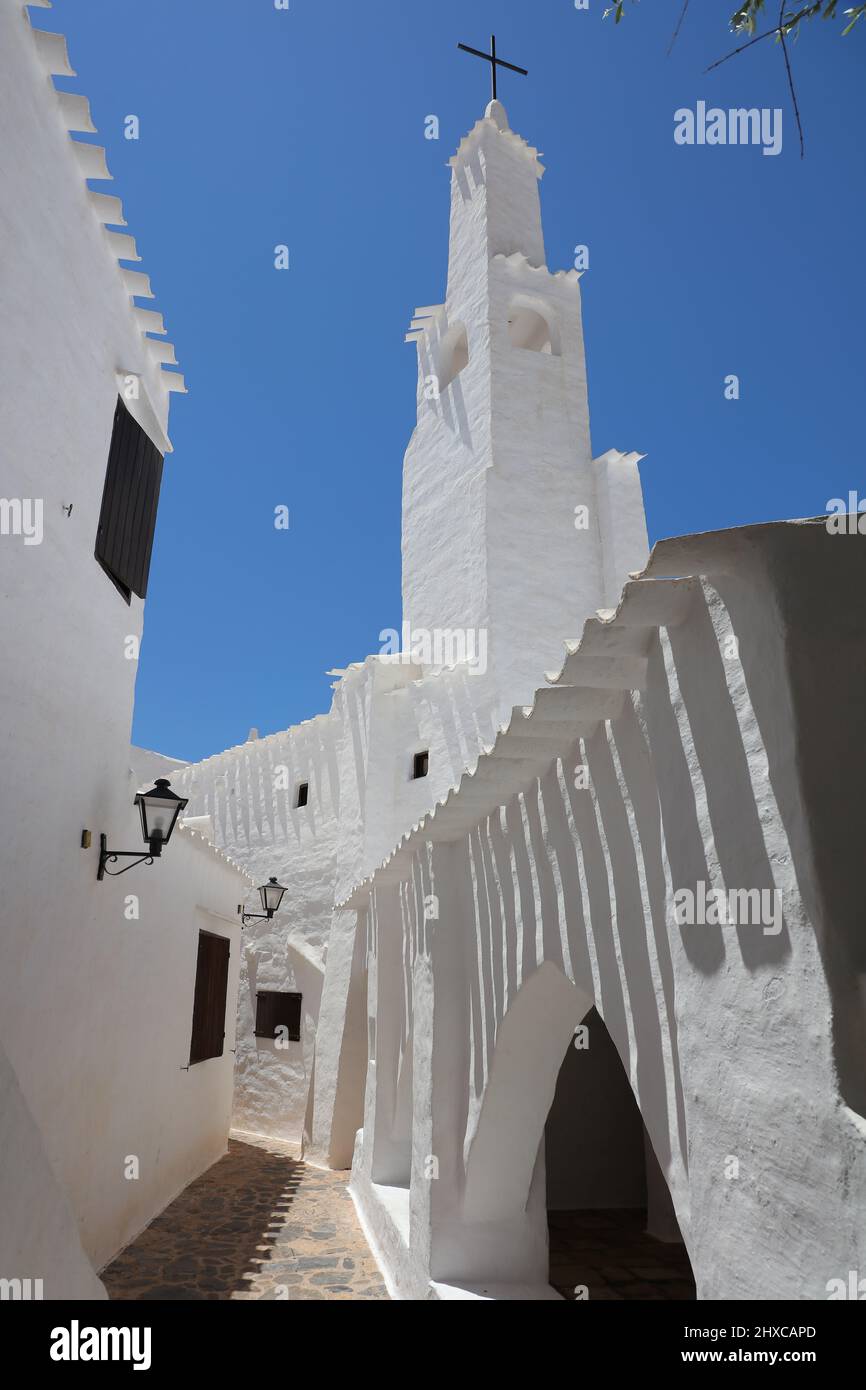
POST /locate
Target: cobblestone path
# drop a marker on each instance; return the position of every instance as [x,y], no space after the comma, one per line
[259,1224]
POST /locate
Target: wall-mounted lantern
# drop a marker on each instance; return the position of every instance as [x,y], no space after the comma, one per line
[271,894]
[159,809]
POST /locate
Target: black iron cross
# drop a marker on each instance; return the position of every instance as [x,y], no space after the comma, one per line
[492,59]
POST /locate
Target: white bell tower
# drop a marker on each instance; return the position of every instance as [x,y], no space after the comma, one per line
[509,526]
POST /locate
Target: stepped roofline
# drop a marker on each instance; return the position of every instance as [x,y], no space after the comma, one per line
[74,110]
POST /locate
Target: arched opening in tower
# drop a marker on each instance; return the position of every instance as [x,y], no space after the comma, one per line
[527,328]
[605,1189]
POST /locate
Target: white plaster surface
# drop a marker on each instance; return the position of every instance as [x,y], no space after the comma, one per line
[249,794]
[739,1042]
[95,1002]
[38,1233]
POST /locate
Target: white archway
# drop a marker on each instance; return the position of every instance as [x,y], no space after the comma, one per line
[532,1038]
[504,1209]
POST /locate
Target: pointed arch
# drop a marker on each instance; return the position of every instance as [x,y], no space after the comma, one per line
[529,1049]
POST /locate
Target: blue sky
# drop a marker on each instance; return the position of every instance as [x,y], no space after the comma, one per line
[306,127]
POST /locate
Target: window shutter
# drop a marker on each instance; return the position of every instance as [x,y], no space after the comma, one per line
[209,1007]
[275,1009]
[264,1014]
[127,518]
[293,1016]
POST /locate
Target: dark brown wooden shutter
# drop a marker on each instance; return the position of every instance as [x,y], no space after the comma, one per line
[209,1007]
[275,1009]
[127,519]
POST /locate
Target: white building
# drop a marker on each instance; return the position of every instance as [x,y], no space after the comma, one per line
[584,788]
[498,471]
[103,1119]
[621,744]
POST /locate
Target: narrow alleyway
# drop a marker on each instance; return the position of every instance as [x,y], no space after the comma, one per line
[259,1224]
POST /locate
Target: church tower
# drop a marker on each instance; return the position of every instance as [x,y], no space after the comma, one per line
[510,528]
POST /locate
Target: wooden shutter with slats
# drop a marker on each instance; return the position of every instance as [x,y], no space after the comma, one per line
[127,518]
[209,1007]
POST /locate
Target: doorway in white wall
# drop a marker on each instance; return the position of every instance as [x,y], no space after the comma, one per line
[605,1186]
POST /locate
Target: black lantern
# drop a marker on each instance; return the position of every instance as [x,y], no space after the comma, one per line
[271,894]
[159,809]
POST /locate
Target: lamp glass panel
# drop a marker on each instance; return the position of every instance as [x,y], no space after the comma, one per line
[271,895]
[158,814]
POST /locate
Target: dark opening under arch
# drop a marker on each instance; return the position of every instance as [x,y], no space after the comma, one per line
[605,1189]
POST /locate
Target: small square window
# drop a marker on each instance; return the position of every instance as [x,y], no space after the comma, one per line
[420,765]
[303,795]
[278,1009]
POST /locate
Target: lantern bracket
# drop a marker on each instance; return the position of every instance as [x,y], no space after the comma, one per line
[111,856]
[250,916]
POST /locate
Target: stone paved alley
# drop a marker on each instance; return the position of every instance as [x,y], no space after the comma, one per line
[259,1224]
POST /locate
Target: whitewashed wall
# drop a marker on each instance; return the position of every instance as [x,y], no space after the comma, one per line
[39,1240]
[273,1076]
[249,793]
[739,1043]
[358,762]
[95,1008]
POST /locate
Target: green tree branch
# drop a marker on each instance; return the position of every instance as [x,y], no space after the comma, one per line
[744,21]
